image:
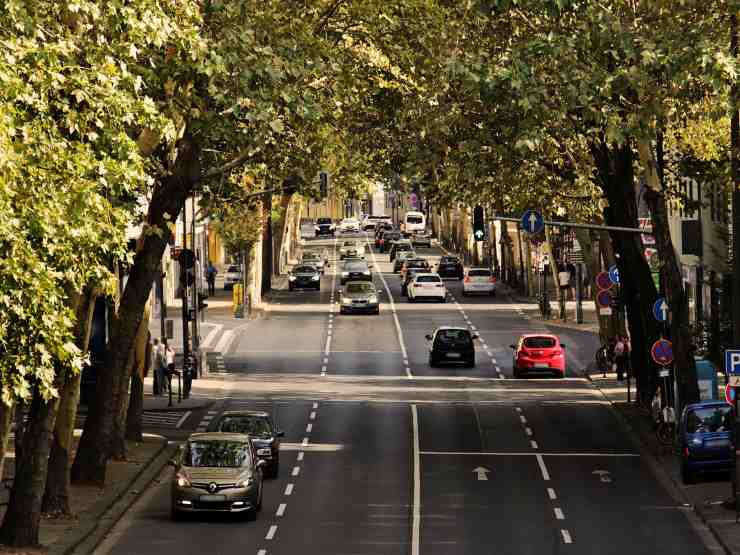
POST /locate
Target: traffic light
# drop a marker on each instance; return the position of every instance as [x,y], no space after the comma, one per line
[323,184]
[479,223]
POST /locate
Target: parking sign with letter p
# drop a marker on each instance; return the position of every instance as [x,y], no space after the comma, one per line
[732,361]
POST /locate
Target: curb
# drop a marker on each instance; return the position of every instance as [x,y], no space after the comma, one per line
[101,518]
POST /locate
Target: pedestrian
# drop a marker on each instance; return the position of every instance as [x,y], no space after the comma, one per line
[170,362]
[585,281]
[619,358]
[564,284]
[571,268]
[158,367]
[211,273]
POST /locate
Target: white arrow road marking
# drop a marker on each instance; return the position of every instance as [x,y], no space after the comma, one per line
[603,475]
[482,472]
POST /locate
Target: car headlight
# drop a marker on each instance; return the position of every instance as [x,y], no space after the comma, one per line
[346,300]
[315,278]
[245,483]
[373,300]
[345,274]
[264,452]
[366,273]
[291,278]
[182,481]
[316,228]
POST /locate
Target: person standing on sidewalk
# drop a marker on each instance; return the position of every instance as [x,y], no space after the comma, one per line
[619,358]
[158,367]
[564,283]
[169,355]
[211,273]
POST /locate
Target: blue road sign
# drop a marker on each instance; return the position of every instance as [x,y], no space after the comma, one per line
[614,274]
[661,310]
[532,221]
[662,352]
[732,361]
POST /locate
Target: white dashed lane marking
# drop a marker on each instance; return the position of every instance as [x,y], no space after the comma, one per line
[566,536]
[551,494]
[281,509]
[289,489]
[271,532]
[296,471]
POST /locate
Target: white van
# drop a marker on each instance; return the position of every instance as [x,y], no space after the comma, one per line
[414,222]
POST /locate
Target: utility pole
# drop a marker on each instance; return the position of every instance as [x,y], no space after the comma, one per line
[184,288]
[195,299]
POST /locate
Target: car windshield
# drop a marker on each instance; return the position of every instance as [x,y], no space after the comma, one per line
[428,279]
[323,221]
[216,454]
[356,267]
[479,273]
[454,336]
[304,270]
[709,419]
[359,288]
[253,425]
[539,342]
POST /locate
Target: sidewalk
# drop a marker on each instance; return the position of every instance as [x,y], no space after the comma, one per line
[706,498]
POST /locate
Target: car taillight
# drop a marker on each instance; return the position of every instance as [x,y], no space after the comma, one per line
[492,279]
[467,279]
[440,285]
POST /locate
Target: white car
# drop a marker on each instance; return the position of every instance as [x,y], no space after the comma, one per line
[349,225]
[352,249]
[232,275]
[427,286]
[479,280]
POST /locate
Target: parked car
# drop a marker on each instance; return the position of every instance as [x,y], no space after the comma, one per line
[399,246]
[387,238]
[324,226]
[705,438]
[539,353]
[401,257]
[422,238]
[261,429]
[427,286]
[451,344]
[232,275]
[216,472]
[352,248]
[450,267]
[349,225]
[359,296]
[356,271]
[316,259]
[479,280]
[304,276]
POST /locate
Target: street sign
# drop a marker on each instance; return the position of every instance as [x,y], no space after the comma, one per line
[532,221]
[662,352]
[732,361]
[660,310]
[604,299]
[730,394]
[603,281]
[614,274]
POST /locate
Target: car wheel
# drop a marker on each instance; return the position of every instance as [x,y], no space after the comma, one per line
[290,287]
[259,496]
[318,288]
[516,373]
[411,299]
[175,515]
[443,299]
[341,311]
[687,475]
[470,363]
[432,362]
[465,293]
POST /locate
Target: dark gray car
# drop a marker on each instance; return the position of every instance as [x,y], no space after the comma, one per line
[262,431]
[356,271]
[359,296]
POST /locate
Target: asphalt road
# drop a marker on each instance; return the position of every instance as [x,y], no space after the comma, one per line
[384,455]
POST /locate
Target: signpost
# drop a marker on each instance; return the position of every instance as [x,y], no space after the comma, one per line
[662,352]
[532,221]
[661,310]
[732,371]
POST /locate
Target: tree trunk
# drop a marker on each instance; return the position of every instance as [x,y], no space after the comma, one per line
[20,527]
[6,419]
[56,494]
[142,362]
[684,365]
[112,384]
[616,178]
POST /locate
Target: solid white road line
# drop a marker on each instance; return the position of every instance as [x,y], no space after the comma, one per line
[296,471]
[525,454]
[566,536]
[211,337]
[289,489]
[559,513]
[271,532]
[416,518]
[551,494]
[543,468]
[281,509]
[182,420]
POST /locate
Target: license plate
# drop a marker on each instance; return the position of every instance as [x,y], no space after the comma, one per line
[541,365]
[717,443]
[453,355]
[212,498]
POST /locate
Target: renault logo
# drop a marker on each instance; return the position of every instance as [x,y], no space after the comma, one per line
[212,487]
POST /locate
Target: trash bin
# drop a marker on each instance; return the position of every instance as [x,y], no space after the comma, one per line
[706,374]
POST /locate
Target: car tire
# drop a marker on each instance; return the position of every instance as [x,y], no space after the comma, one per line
[175,515]
[443,299]
[432,362]
[342,311]
[516,373]
[687,476]
[290,287]
[464,293]
[377,311]
[318,288]
[260,494]
[411,299]
[469,363]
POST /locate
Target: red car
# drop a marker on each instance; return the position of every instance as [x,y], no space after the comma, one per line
[539,353]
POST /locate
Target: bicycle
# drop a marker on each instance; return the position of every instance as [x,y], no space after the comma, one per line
[666,429]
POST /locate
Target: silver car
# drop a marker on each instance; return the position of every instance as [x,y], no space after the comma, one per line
[359,296]
[217,472]
[314,258]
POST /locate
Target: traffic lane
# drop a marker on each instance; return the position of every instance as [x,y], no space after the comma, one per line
[274,361]
[507,512]
[635,514]
[353,492]
[148,529]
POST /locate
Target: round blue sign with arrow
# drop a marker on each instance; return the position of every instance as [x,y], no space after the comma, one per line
[662,352]
[532,221]
[661,310]
[614,274]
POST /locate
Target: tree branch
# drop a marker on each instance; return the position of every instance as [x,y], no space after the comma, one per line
[228,166]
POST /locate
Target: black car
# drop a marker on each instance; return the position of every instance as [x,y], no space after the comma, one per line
[400,246]
[451,344]
[387,239]
[407,277]
[356,271]
[304,276]
[450,267]
[409,263]
[261,429]
[324,226]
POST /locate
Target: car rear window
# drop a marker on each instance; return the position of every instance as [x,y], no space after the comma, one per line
[359,288]
[349,244]
[539,342]
[709,420]
[448,260]
[480,273]
[310,256]
[252,425]
[414,219]
[428,279]
[323,221]
[454,336]
[416,263]
[356,267]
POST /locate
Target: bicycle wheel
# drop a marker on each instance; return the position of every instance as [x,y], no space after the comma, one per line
[665,433]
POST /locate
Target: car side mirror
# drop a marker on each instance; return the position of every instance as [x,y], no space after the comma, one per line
[512,346]
[563,345]
[428,337]
[476,336]
[280,434]
[172,463]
